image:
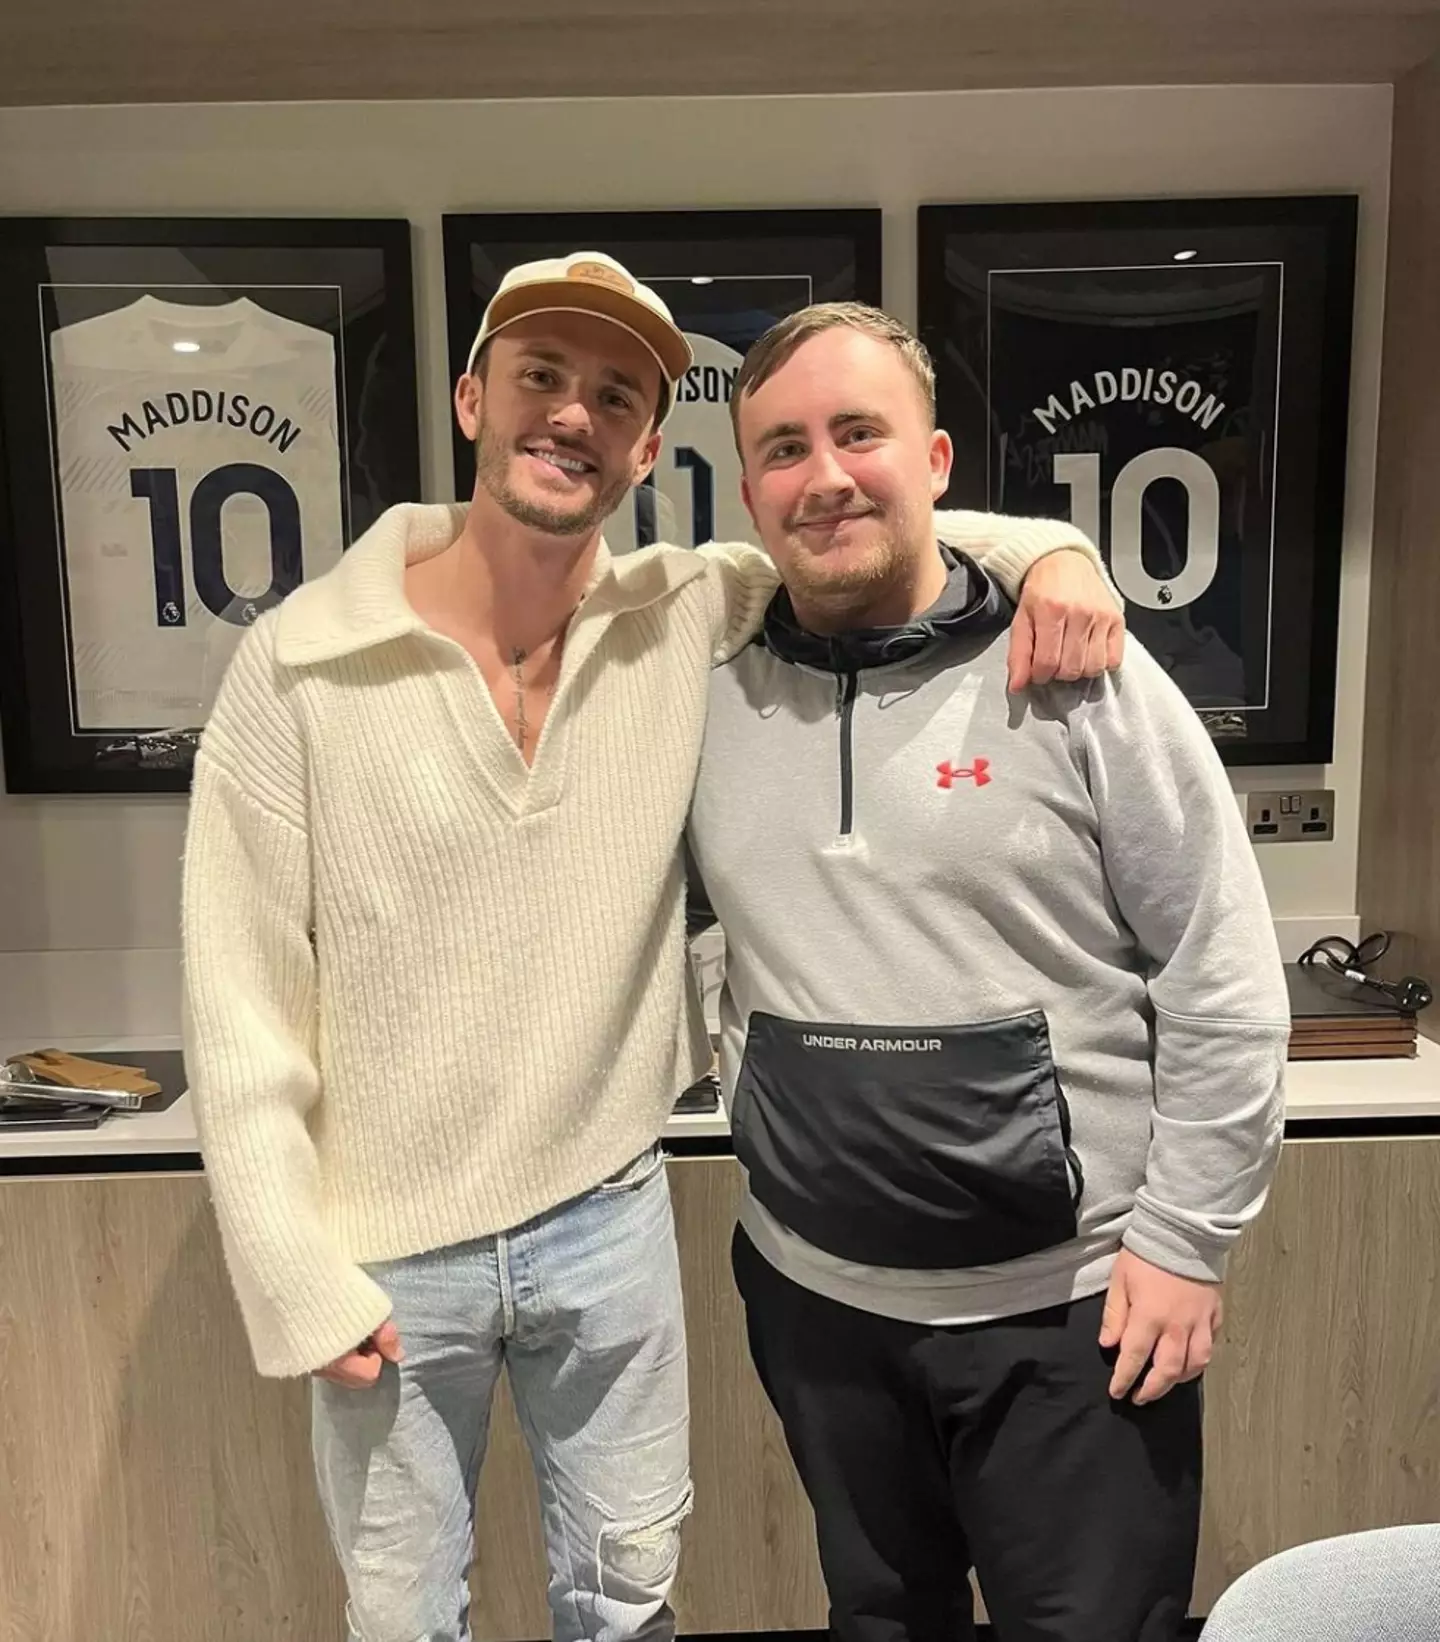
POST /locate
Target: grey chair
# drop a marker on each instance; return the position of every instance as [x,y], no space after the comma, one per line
[1381,1586]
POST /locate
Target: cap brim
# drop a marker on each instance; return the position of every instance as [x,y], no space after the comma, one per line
[580,296]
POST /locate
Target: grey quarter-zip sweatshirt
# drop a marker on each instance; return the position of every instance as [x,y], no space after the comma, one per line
[1002,988]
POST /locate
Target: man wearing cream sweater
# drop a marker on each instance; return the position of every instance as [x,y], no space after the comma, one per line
[438,1009]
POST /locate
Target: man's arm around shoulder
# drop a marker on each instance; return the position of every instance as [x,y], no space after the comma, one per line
[1069,621]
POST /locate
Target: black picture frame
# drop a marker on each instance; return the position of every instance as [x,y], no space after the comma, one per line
[726,275]
[1242,308]
[316,314]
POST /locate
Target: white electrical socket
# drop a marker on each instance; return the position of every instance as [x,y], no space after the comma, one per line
[1304,816]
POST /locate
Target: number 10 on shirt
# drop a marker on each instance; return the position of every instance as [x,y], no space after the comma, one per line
[160,489]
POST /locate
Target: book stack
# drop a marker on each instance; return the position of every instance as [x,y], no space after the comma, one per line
[1335,1019]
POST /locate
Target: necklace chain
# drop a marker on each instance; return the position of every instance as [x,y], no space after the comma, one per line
[517,661]
[518,658]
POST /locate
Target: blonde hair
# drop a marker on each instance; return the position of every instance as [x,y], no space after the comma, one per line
[769,352]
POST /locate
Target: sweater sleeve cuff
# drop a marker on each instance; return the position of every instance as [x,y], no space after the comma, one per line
[289,1337]
[1164,1244]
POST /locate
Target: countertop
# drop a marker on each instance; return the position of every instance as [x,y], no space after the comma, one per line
[1346,1091]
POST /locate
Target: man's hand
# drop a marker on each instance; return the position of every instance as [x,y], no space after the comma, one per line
[361,1367]
[1067,624]
[1152,1311]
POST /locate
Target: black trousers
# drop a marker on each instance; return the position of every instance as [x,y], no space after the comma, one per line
[928,1451]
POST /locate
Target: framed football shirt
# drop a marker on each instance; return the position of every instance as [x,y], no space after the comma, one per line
[195,417]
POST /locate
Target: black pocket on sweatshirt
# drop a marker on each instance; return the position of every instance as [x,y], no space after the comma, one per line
[922,1147]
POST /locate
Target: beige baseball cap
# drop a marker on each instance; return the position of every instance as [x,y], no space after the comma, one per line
[589,282]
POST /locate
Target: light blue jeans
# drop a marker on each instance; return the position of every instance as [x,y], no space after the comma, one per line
[582,1307]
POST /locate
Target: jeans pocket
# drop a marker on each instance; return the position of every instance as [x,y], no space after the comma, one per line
[637,1173]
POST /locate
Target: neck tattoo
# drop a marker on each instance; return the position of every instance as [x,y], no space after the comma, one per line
[517,663]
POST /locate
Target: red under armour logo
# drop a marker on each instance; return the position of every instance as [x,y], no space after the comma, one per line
[978,772]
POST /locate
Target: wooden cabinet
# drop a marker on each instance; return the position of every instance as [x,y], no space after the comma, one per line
[156,1490]
[1323,1407]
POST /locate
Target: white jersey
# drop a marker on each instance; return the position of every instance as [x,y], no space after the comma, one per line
[199,480]
[695,497]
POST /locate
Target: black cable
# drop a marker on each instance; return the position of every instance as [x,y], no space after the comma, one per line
[1410,993]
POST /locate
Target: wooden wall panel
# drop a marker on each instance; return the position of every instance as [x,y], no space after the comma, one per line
[1399,869]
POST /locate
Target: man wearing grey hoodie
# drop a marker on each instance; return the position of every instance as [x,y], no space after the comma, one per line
[1003,1033]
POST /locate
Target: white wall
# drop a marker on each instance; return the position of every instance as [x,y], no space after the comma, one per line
[88,887]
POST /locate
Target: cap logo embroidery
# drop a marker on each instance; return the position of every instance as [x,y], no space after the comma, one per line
[597,273]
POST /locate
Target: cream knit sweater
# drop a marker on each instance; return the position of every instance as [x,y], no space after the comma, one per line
[432,993]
